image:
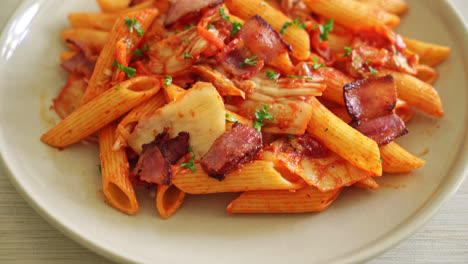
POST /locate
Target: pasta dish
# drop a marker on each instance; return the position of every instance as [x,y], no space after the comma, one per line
[286,102]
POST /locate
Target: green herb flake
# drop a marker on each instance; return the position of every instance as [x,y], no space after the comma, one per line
[299,25]
[290,136]
[316,65]
[235,26]
[262,3]
[132,23]
[326,129]
[117,87]
[128,70]
[211,26]
[231,119]
[272,76]
[348,52]
[99,168]
[188,27]
[261,115]
[372,69]
[380,159]
[167,81]
[285,26]
[300,77]
[190,164]
[324,30]
[249,61]
[139,52]
[187,56]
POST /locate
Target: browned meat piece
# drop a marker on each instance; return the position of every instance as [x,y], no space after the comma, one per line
[231,150]
[307,145]
[180,8]
[383,129]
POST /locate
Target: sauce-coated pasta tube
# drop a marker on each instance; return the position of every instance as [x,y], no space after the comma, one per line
[100,80]
[113,5]
[99,21]
[115,173]
[367,183]
[344,140]
[395,159]
[295,36]
[353,14]
[101,111]
[259,175]
[168,200]
[430,54]
[309,199]
[95,39]
[397,7]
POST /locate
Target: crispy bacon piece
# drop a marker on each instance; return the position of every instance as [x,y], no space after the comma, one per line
[234,57]
[307,145]
[370,103]
[370,98]
[231,150]
[262,39]
[382,129]
[154,163]
[69,98]
[83,62]
[180,8]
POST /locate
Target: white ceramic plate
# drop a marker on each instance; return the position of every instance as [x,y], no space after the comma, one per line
[63,186]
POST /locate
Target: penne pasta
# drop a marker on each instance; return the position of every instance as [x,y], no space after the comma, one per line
[344,140]
[116,184]
[426,73]
[429,54]
[113,5]
[353,14]
[309,199]
[417,93]
[395,159]
[396,7]
[95,39]
[335,80]
[403,110]
[259,175]
[168,200]
[172,92]
[101,111]
[67,55]
[367,183]
[295,36]
[100,80]
[98,21]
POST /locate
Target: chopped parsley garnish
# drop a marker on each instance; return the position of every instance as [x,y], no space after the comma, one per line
[188,27]
[230,118]
[139,52]
[99,168]
[190,164]
[249,61]
[167,81]
[117,87]
[132,23]
[324,29]
[372,69]
[211,26]
[301,25]
[235,26]
[290,136]
[187,56]
[316,65]
[288,24]
[299,77]
[262,3]
[261,115]
[326,129]
[128,70]
[380,159]
[272,76]
[348,52]
[185,40]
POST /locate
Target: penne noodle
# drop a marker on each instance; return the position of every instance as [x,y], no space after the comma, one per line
[100,80]
[426,73]
[128,123]
[417,93]
[295,36]
[353,14]
[335,80]
[397,7]
[337,43]
[344,140]
[115,173]
[309,199]
[397,160]
[283,63]
[367,183]
[67,55]
[113,5]
[403,110]
[259,175]
[101,111]
[95,39]
[341,113]
[429,54]
[172,92]
[168,200]
[98,21]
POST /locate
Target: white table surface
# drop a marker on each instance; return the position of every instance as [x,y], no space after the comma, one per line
[26,238]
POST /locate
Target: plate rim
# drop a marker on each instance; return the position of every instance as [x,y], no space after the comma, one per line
[458,173]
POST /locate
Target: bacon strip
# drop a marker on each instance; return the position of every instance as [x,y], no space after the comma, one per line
[231,150]
[154,163]
[370,103]
[180,8]
[262,39]
[233,60]
[307,145]
[69,99]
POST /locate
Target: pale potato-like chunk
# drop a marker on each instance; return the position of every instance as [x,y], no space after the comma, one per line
[200,112]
